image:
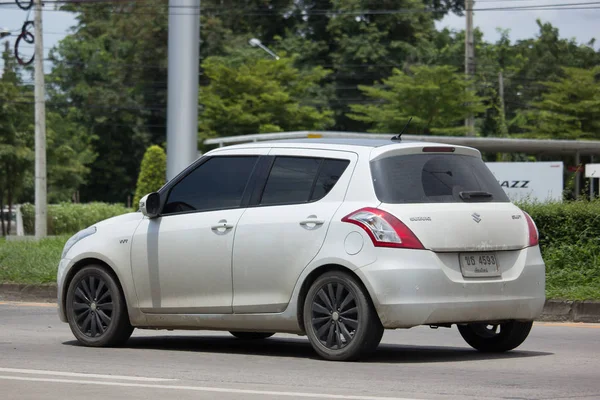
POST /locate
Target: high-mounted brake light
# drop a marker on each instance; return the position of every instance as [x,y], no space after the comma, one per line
[438,149]
[534,237]
[384,229]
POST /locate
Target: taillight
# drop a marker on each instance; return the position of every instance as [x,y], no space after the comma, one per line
[534,237]
[384,229]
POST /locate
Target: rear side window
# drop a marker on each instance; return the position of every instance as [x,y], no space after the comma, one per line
[434,178]
[294,180]
[219,183]
[328,177]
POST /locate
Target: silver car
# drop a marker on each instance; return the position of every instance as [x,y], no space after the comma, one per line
[335,239]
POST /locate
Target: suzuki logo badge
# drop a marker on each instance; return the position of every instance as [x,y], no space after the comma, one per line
[476,217]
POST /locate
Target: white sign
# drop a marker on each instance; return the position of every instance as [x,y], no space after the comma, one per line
[530,181]
[592,170]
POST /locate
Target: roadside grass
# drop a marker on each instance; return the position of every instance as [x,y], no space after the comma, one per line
[30,262]
[572,270]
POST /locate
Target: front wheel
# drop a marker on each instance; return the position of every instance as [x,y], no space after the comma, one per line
[495,338]
[96,308]
[339,318]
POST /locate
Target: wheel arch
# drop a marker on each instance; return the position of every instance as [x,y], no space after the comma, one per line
[312,277]
[78,266]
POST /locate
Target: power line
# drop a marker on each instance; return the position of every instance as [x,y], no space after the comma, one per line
[325,12]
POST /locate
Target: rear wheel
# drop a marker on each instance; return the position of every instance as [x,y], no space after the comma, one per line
[252,335]
[340,320]
[96,309]
[495,338]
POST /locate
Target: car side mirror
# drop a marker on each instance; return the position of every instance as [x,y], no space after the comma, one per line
[150,205]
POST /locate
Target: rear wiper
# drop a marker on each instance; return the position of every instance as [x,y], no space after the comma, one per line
[475,195]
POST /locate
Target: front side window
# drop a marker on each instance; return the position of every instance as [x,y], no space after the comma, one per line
[295,180]
[219,183]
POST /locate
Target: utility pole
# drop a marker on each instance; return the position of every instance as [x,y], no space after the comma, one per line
[6,50]
[182,100]
[470,59]
[501,89]
[504,128]
[40,128]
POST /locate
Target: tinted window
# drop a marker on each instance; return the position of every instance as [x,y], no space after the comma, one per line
[328,176]
[291,180]
[434,178]
[217,184]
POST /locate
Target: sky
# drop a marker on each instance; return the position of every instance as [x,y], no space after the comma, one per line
[582,25]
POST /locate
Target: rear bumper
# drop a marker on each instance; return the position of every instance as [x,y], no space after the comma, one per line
[416,287]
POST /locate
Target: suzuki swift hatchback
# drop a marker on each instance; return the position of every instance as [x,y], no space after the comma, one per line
[335,239]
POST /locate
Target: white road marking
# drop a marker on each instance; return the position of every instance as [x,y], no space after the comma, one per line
[80,375]
[203,389]
[27,304]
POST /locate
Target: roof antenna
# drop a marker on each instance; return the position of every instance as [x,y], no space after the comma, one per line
[399,136]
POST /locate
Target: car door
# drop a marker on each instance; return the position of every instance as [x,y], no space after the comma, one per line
[284,229]
[181,260]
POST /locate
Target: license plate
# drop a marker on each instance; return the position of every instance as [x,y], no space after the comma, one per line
[479,265]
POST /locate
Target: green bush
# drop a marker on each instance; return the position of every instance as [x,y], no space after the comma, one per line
[569,223]
[570,244]
[569,238]
[68,218]
[153,173]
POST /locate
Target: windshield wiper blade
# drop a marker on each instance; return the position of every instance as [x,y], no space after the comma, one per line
[474,195]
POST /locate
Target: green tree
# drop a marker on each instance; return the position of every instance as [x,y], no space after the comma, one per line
[113,66]
[250,94]
[113,69]
[362,41]
[524,64]
[437,98]
[69,153]
[153,173]
[569,109]
[16,156]
[544,57]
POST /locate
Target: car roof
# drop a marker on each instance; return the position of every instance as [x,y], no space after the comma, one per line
[354,144]
[339,141]
[326,142]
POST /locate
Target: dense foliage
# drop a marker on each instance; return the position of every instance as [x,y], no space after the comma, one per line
[437,98]
[570,243]
[153,173]
[67,218]
[569,223]
[346,65]
[569,239]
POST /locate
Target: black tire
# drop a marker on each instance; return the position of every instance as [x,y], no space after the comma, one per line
[252,335]
[350,314]
[490,338]
[96,308]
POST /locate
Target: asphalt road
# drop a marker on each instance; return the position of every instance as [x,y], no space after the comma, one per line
[39,359]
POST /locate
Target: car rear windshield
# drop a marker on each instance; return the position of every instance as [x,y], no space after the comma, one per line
[434,178]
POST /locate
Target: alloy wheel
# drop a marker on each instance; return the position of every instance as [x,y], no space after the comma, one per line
[92,306]
[335,316]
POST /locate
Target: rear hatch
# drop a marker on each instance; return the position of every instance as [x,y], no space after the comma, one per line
[449,199]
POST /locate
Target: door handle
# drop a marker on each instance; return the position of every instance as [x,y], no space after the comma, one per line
[222,227]
[311,222]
